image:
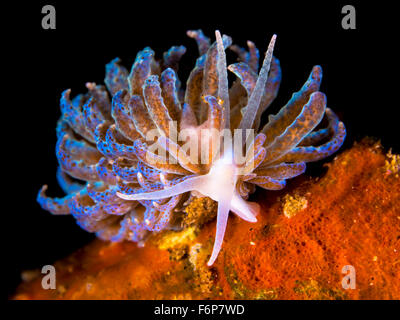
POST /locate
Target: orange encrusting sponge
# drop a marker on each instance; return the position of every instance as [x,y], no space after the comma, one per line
[304,236]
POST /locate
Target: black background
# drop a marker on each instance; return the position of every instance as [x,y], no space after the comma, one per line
[357,65]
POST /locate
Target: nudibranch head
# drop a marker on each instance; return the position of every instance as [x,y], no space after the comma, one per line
[133,154]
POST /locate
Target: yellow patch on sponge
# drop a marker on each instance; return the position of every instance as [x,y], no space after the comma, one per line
[293,204]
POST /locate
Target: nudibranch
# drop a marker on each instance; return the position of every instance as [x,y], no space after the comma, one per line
[122,187]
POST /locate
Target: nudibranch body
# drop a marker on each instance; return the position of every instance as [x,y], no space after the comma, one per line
[138,174]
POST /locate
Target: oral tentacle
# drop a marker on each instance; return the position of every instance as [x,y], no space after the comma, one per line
[222,219]
[244,209]
[182,187]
